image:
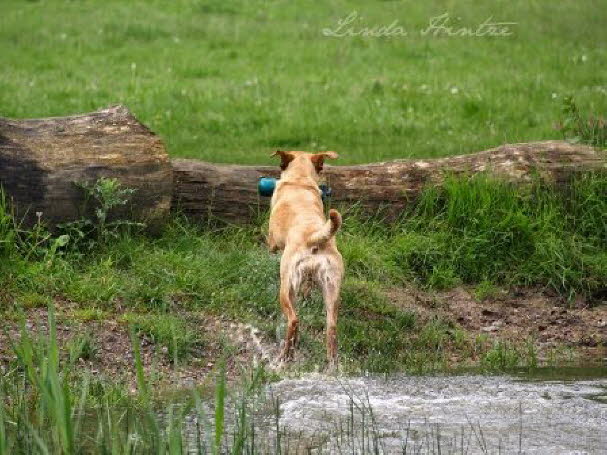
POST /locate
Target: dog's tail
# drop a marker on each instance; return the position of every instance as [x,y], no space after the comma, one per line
[323,235]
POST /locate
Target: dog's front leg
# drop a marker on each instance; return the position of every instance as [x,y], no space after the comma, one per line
[272,245]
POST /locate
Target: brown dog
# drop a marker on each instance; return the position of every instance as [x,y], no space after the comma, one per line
[298,226]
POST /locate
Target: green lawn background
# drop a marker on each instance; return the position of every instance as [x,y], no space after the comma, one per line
[229,81]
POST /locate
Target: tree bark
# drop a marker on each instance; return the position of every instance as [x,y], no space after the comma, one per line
[208,192]
[41,160]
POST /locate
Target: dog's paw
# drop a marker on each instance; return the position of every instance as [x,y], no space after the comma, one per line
[332,367]
[282,361]
[285,355]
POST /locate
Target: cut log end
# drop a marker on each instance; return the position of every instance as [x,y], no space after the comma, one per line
[42,160]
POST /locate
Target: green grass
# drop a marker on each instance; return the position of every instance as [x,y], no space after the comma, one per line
[168,331]
[47,408]
[230,81]
[481,232]
[491,232]
[82,346]
[7,227]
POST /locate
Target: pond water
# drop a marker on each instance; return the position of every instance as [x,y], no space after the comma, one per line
[545,413]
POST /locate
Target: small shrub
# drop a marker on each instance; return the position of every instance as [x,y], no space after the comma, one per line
[82,346]
[34,300]
[89,314]
[502,356]
[7,227]
[105,195]
[577,127]
[485,290]
[434,335]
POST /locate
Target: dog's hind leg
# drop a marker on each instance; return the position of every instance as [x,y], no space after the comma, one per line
[330,281]
[288,290]
[286,303]
[331,297]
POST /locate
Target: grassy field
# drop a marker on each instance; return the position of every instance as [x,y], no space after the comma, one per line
[229,81]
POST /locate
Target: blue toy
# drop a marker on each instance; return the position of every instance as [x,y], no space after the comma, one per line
[266,185]
[326,191]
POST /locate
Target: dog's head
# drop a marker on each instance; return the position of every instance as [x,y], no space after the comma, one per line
[304,162]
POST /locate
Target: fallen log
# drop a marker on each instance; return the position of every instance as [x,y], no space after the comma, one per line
[205,191]
[42,160]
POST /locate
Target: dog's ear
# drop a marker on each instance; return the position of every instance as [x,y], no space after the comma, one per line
[318,159]
[285,158]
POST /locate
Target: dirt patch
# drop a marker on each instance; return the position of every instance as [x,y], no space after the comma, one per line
[516,315]
[113,354]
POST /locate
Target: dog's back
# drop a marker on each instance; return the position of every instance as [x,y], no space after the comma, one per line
[297,216]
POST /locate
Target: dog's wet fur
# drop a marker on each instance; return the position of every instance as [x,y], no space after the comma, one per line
[299,228]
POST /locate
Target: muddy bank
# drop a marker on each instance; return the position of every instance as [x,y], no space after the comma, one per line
[112,355]
[517,315]
[520,316]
